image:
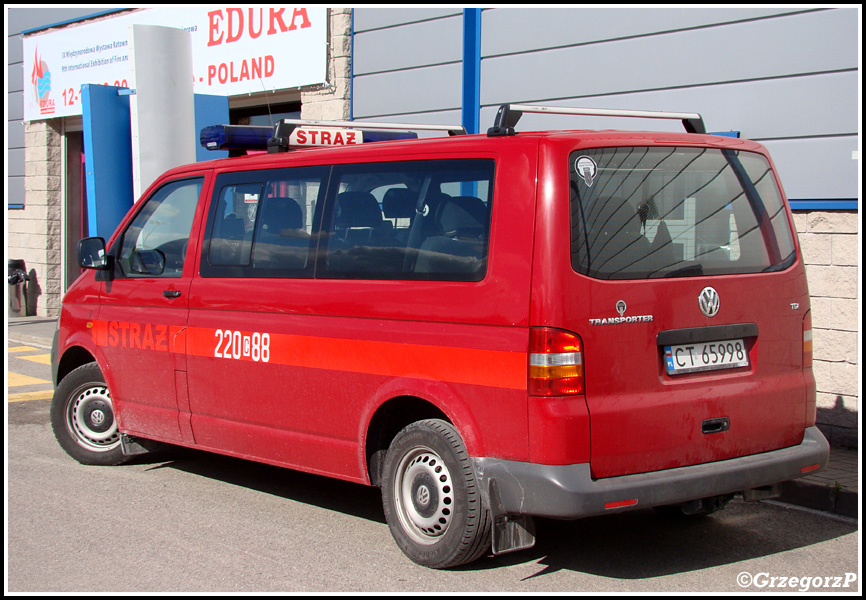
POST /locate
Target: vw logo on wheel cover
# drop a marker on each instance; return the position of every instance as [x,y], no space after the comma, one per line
[423,496]
[709,302]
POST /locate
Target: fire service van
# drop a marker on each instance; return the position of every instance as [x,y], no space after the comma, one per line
[487,327]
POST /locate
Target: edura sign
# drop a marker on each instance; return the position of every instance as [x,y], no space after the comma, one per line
[235,51]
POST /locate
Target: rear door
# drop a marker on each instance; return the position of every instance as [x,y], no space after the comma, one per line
[685,287]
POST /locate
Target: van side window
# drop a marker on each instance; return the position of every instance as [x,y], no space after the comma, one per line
[261,223]
[154,244]
[232,239]
[376,231]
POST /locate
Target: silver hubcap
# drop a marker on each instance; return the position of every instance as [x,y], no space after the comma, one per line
[424,495]
[90,419]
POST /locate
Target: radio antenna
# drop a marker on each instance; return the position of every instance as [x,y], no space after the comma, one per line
[270,117]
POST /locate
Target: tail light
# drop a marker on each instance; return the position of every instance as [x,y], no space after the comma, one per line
[811,400]
[555,363]
[807,340]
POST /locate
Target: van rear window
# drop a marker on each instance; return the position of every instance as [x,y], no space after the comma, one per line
[642,212]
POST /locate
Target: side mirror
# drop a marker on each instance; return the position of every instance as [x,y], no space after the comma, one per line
[147,262]
[92,255]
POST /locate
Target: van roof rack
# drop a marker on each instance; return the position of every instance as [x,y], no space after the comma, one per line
[509,115]
[280,142]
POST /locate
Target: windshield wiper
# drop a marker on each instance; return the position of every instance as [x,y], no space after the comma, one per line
[787,262]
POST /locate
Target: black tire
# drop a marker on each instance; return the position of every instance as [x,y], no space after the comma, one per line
[82,417]
[433,504]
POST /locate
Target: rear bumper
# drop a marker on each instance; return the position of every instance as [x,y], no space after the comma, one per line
[569,491]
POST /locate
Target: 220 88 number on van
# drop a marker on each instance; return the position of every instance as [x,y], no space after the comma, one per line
[488,327]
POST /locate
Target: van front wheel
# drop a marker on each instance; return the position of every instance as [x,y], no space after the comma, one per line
[432,502]
[82,416]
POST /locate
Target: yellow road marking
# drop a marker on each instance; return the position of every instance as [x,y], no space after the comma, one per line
[21,349]
[16,379]
[25,396]
[42,359]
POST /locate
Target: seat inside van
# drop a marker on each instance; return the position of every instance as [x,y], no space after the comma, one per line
[281,241]
[359,221]
[459,244]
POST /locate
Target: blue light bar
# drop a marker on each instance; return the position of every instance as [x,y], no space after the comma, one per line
[280,137]
[389,136]
[235,137]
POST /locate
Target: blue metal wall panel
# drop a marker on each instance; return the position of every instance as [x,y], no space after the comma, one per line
[427,89]
[108,157]
[420,44]
[380,18]
[209,110]
[517,30]
[817,168]
[766,49]
[816,105]
[406,63]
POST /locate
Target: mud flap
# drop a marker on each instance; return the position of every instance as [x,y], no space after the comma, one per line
[131,446]
[510,532]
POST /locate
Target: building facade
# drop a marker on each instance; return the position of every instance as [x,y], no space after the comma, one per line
[786,77]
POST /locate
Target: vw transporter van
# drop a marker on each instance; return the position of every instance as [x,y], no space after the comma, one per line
[489,328]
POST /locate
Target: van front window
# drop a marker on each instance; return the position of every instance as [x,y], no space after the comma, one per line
[639,212]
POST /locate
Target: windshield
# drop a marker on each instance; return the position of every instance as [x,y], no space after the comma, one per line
[639,212]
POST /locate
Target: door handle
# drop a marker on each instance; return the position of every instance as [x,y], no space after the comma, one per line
[171,293]
[715,425]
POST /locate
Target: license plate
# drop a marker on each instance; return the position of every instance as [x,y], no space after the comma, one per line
[709,356]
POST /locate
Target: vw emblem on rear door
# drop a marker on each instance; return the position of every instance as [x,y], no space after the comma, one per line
[709,301]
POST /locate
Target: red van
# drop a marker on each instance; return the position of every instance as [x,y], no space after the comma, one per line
[488,327]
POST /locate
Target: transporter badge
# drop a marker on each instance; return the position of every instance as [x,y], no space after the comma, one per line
[621,307]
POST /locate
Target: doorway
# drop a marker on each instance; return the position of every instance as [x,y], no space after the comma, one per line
[75,221]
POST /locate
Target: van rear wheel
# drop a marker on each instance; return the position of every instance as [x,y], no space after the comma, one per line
[431,498]
[82,416]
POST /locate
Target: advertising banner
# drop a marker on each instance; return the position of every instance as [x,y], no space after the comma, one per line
[234,51]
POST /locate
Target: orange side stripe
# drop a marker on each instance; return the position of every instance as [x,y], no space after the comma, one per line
[493,368]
